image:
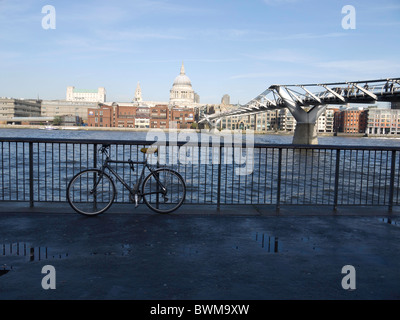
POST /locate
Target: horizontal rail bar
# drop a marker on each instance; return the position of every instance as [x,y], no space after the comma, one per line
[345,82]
[198,144]
[38,170]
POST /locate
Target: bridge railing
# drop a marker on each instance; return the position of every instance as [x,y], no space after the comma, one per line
[350,91]
[38,170]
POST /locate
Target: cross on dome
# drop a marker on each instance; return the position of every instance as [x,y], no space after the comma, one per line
[182,69]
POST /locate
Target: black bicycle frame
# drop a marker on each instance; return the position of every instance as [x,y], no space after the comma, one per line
[138,183]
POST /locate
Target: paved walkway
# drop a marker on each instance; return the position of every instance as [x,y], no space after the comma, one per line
[242,252]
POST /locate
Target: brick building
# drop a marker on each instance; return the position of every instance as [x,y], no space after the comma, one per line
[183,117]
[159,117]
[351,121]
[129,116]
[124,116]
[101,117]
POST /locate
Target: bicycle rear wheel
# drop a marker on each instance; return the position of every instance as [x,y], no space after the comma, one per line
[168,200]
[91,192]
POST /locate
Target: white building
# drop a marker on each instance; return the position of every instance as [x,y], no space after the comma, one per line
[58,108]
[182,92]
[274,120]
[81,95]
[142,123]
[290,121]
[11,108]
[383,121]
[325,122]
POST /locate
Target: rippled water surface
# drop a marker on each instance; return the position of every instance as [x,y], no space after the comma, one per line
[306,176]
[131,135]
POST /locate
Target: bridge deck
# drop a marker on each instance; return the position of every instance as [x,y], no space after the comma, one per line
[283,96]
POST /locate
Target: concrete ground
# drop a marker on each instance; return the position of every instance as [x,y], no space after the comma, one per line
[199,253]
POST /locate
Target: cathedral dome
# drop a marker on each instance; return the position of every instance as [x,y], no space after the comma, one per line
[182,91]
[182,79]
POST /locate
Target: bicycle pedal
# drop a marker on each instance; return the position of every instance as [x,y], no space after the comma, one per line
[137,200]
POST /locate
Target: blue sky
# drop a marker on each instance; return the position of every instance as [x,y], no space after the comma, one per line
[238,47]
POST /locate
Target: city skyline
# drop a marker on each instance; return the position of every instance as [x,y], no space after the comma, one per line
[228,47]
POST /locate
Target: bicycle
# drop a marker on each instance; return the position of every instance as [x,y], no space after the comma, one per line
[93,191]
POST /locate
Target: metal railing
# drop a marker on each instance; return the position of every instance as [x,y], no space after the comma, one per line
[38,170]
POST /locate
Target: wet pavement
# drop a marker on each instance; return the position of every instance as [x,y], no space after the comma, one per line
[199,253]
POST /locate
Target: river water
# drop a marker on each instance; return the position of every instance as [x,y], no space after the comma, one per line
[307,176]
[132,135]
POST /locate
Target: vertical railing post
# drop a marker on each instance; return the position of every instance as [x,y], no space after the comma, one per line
[31,174]
[219,178]
[391,189]
[95,155]
[336,180]
[94,166]
[158,177]
[278,195]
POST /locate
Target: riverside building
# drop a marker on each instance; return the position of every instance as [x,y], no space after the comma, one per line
[13,110]
[140,117]
[383,122]
[59,108]
[83,95]
[351,120]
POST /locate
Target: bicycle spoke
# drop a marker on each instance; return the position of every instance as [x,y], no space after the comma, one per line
[92,200]
[156,198]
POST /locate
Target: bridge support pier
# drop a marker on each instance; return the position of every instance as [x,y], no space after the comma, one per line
[306,119]
[305,133]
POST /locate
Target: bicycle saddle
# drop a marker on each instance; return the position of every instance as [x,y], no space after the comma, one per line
[149,150]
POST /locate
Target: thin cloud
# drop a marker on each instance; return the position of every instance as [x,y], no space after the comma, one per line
[279,2]
[302,36]
[361,66]
[109,13]
[276,74]
[389,7]
[251,75]
[257,35]
[84,44]
[167,7]
[283,55]
[213,60]
[140,34]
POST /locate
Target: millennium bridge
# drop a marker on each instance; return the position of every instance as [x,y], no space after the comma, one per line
[307,102]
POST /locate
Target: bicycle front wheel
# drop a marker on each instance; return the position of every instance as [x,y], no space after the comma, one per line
[91,192]
[164,190]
